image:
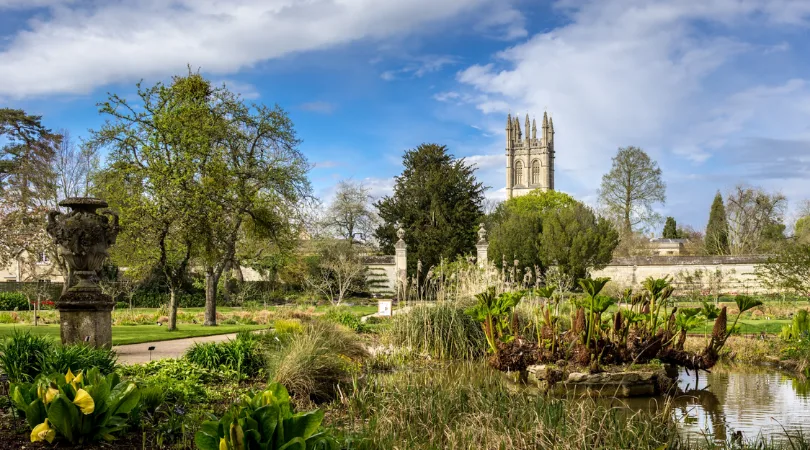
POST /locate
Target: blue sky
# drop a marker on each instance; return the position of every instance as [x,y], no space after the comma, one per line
[717,91]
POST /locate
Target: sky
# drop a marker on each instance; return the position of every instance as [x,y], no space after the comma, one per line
[716,91]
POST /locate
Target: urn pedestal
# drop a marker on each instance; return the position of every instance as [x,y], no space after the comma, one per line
[83,237]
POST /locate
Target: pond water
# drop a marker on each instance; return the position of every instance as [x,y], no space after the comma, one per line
[758,402]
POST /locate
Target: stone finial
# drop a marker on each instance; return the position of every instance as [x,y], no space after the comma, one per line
[545,120]
[509,121]
[482,233]
[534,129]
[400,232]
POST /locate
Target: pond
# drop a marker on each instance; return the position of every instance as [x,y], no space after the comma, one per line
[757,402]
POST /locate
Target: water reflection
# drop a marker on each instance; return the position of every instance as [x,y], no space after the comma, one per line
[752,401]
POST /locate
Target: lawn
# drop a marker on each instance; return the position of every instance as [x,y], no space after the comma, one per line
[137,334]
[748,326]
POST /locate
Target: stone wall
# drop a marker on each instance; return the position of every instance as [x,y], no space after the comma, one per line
[724,274]
[381,274]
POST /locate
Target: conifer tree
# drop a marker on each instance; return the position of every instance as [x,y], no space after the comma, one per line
[717,228]
[670,229]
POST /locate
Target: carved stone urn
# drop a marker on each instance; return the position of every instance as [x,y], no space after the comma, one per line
[82,237]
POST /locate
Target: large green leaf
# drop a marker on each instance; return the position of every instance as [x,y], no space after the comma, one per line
[207,438]
[303,424]
[294,444]
[123,398]
[65,418]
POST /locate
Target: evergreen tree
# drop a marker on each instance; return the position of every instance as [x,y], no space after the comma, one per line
[717,228]
[670,229]
[438,202]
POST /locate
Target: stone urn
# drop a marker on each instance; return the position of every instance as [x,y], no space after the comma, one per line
[82,237]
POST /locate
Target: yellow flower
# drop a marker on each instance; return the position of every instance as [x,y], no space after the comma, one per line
[43,432]
[50,394]
[69,376]
[78,379]
[222,444]
[85,402]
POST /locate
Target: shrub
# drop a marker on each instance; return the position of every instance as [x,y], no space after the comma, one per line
[60,359]
[9,317]
[181,380]
[241,355]
[312,364]
[21,355]
[10,301]
[288,326]
[86,408]
[442,331]
[343,316]
[121,305]
[265,422]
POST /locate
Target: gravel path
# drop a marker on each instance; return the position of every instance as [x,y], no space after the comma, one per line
[139,353]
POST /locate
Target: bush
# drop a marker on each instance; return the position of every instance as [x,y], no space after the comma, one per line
[60,359]
[86,408]
[343,316]
[181,380]
[9,317]
[263,422]
[21,355]
[241,355]
[442,331]
[121,305]
[152,299]
[312,364]
[11,301]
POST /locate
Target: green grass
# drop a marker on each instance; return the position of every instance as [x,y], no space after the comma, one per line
[748,326]
[137,334]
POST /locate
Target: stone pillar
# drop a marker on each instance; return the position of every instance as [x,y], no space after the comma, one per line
[401,261]
[83,237]
[482,246]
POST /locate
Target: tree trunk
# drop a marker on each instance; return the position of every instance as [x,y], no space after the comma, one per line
[210,298]
[172,309]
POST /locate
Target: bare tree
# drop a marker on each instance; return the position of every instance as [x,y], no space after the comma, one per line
[754,218]
[73,167]
[631,188]
[350,214]
[339,271]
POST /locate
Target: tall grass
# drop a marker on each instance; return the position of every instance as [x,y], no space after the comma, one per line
[468,406]
[241,355]
[443,331]
[315,361]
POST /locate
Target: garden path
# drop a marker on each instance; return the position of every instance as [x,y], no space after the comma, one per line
[139,353]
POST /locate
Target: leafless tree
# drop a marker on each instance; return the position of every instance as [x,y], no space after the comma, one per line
[350,214]
[340,269]
[73,167]
[754,216]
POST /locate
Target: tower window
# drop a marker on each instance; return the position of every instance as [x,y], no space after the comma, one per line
[518,173]
[536,172]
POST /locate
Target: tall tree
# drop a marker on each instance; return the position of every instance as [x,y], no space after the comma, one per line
[221,166]
[26,183]
[754,220]
[73,167]
[670,229]
[438,202]
[631,188]
[788,269]
[516,226]
[716,238]
[576,240]
[350,214]
[801,231]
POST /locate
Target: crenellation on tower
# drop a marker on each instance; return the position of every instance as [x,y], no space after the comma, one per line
[529,159]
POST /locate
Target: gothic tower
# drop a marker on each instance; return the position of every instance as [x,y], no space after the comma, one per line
[529,158]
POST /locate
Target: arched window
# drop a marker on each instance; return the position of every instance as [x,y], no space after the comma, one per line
[518,173]
[536,172]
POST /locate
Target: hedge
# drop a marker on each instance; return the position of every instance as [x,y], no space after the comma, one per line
[9,301]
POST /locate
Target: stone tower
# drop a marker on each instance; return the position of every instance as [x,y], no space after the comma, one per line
[529,157]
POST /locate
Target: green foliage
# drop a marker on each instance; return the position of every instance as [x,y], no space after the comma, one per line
[60,359]
[799,328]
[21,355]
[442,331]
[86,408]
[801,230]
[670,229]
[241,355]
[788,269]
[181,380]
[631,188]
[265,422]
[13,301]
[24,356]
[343,316]
[516,225]
[438,202]
[717,229]
[595,303]
[495,313]
[313,363]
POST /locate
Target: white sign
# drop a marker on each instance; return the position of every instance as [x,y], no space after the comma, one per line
[384,308]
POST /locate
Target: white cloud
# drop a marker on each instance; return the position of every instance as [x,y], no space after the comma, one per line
[319,107]
[246,90]
[81,46]
[644,73]
[420,66]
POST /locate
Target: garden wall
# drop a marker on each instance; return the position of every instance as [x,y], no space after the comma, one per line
[723,274]
[381,274]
